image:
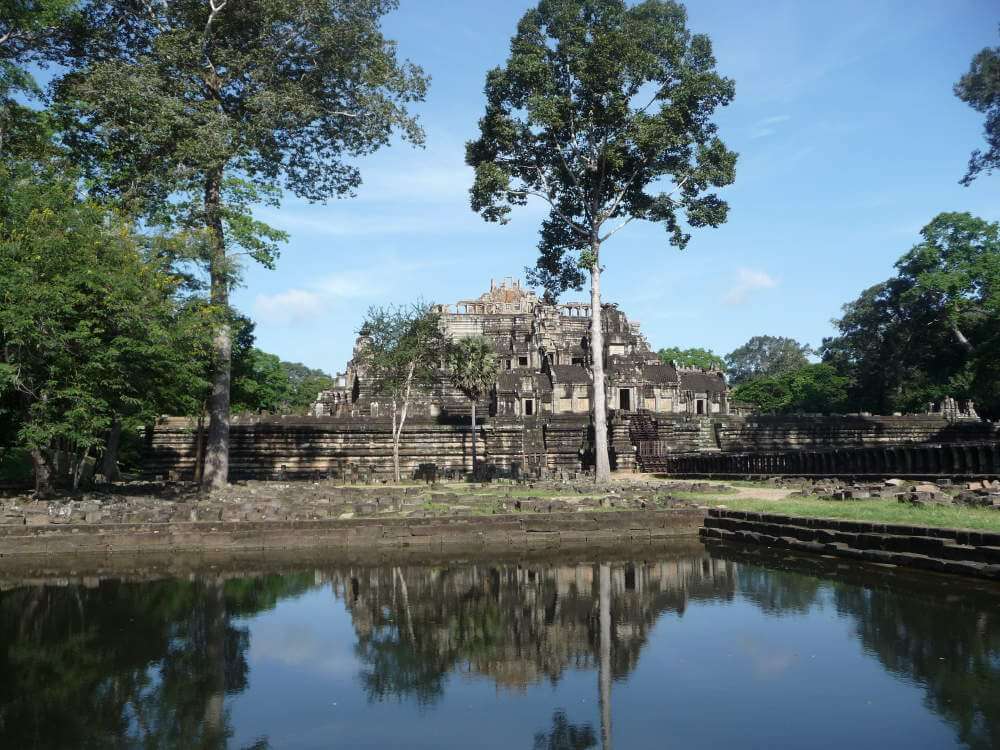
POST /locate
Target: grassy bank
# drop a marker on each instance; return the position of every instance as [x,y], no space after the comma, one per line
[875,511]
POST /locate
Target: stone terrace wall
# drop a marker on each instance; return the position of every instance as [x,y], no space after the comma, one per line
[302,447]
[686,434]
[959,551]
[352,448]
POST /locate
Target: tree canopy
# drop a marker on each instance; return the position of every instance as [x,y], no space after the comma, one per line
[90,328]
[766,356]
[932,330]
[186,114]
[603,111]
[401,349]
[694,357]
[814,388]
[29,36]
[980,89]
[473,368]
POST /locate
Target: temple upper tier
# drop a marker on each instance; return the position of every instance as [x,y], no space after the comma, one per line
[544,355]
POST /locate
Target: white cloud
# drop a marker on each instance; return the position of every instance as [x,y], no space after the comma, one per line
[377,280]
[765,127]
[290,306]
[748,280]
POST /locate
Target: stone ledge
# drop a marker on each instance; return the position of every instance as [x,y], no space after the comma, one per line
[550,530]
[958,551]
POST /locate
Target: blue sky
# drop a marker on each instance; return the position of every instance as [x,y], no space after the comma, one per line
[850,140]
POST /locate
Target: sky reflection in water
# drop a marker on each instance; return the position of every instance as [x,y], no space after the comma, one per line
[681,647]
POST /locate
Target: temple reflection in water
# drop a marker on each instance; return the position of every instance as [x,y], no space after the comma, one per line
[167,663]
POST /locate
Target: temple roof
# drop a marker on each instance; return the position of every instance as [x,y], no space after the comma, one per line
[707,382]
[569,374]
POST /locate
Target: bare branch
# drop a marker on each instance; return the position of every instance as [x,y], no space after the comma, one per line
[618,228]
[215,8]
[569,222]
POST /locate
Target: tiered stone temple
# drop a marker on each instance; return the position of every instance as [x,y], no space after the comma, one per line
[536,420]
[544,354]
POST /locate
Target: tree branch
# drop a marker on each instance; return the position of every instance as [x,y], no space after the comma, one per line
[618,228]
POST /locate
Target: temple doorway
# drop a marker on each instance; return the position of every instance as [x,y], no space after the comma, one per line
[624,399]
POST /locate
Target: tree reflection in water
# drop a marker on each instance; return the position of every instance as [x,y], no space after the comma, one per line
[565,736]
[127,665]
[936,631]
[150,664]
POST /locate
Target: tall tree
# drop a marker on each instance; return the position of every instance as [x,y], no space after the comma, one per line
[933,329]
[815,388]
[190,112]
[766,356]
[980,89]
[89,333]
[956,271]
[600,107]
[694,357]
[305,384]
[401,349]
[473,369]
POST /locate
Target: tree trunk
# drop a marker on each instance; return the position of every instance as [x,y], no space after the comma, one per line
[962,340]
[78,468]
[43,472]
[199,450]
[473,438]
[602,466]
[217,451]
[109,464]
[215,660]
[604,662]
[395,443]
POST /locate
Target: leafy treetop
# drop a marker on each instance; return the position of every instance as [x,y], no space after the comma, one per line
[980,89]
[598,103]
[694,357]
[170,106]
[766,356]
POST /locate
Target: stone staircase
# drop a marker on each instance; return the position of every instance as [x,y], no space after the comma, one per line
[960,551]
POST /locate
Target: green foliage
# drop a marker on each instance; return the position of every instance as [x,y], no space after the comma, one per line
[15,465]
[598,102]
[813,388]
[401,347]
[931,331]
[473,366]
[268,94]
[305,384]
[694,357]
[28,36]
[766,356]
[980,89]
[90,329]
[259,384]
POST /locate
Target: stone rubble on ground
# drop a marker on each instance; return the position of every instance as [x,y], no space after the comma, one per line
[157,502]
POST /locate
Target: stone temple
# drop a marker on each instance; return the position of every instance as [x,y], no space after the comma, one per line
[537,418]
[544,355]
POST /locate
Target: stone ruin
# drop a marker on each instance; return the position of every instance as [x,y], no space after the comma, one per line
[954,410]
[544,355]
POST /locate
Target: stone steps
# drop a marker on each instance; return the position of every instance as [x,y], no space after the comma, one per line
[961,551]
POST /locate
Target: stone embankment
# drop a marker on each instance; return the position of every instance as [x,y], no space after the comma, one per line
[530,530]
[960,551]
[276,515]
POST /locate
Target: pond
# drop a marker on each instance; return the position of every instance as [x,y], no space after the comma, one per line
[676,646]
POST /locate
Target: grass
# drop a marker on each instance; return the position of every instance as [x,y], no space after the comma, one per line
[875,511]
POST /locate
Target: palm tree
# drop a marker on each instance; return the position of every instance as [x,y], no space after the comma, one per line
[473,369]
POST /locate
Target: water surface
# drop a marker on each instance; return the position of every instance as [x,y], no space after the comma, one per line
[677,646]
